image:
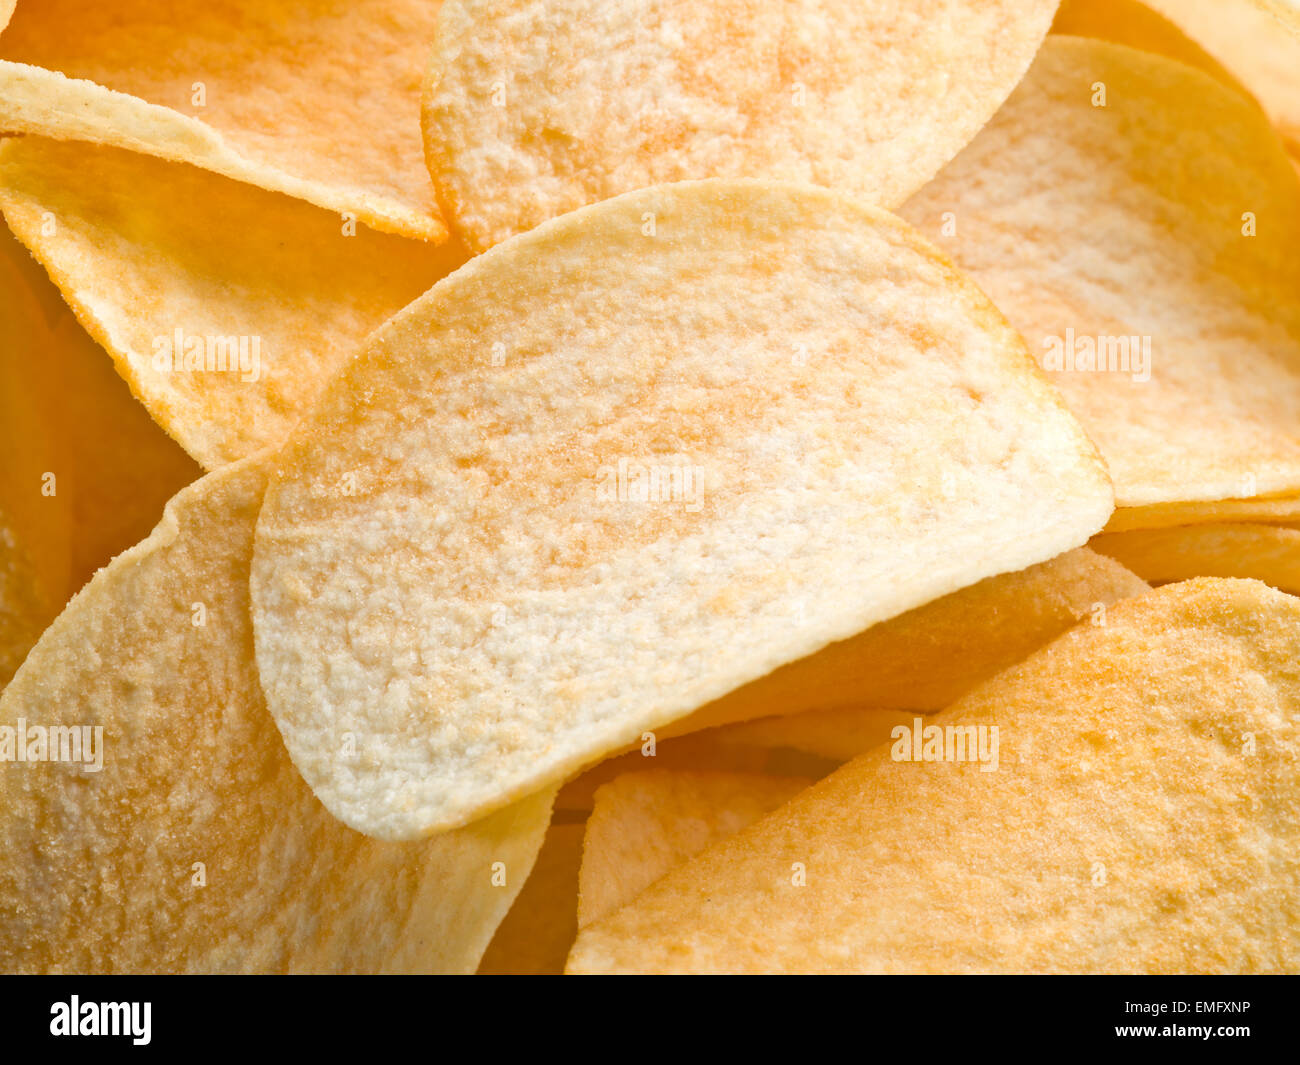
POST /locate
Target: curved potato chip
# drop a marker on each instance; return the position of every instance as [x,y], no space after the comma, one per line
[504,544]
[194,845]
[1138,26]
[1248,37]
[1142,817]
[263,91]
[931,656]
[644,824]
[535,109]
[1158,293]
[225,307]
[1262,552]
[535,937]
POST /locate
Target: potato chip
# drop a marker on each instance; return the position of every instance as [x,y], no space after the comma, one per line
[535,937]
[106,470]
[1248,37]
[837,735]
[519,528]
[320,101]
[1157,286]
[535,109]
[931,656]
[1264,552]
[1282,508]
[645,824]
[1137,810]
[1138,26]
[6,12]
[225,307]
[151,820]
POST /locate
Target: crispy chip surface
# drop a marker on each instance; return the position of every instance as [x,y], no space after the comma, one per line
[225,307]
[316,99]
[537,108]
[645,824]
[1106,249]
[196,847]
[455,566]
[1143,817]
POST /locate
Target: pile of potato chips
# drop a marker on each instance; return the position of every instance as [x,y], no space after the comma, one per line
[650,486]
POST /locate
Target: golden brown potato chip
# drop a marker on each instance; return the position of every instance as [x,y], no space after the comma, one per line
[1264,552]
[1137,810]
[730,415]
[1156,286]
[317,100]
[150,819]
[225,307]
[645,824]
[535,937]
[111,468]
[1251,39]
[535,109]
[931,656]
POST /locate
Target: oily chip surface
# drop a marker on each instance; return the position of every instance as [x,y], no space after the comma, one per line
[101,869]
[519,525]
[536,108]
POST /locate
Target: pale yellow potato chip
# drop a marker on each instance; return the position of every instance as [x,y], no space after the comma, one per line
[535,937]
[105,468]
[645,824]
[1250,38]
[1265,553]
[536,108]
[1172,270]
[225,307]
[317,100]
[1143,817]
[166,829]
[734,422]
[930,656]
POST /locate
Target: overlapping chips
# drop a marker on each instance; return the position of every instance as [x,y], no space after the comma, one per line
[537,108]
[181,838]
[225,307]
[1137,810]
[319,101]
[491,575]
[1155,285]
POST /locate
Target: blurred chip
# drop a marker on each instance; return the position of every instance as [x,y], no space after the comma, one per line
[1264,552]
[537,109]
[523,523]
[1156,286]
[320,101]
[535,937]
[1137,810]
[225,307]
[645,824]
[151,821]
